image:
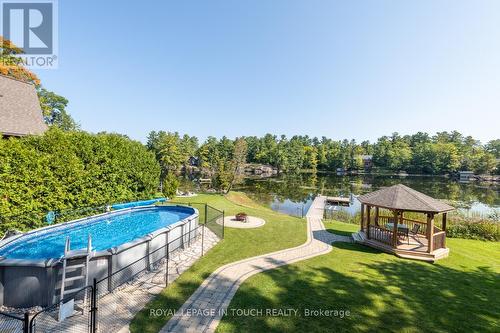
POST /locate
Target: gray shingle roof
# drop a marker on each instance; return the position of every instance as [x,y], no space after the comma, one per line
[401,197]
[20,112]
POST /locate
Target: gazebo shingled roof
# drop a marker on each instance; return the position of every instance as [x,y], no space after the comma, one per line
[401,197]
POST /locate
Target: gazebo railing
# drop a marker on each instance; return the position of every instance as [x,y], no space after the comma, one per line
[411,223]
[383,220]
[439,240]
[381,234]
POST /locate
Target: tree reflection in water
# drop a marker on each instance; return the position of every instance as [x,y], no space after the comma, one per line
[289,193]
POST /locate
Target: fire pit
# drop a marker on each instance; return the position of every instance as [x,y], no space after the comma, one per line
[241,217]
[236,222]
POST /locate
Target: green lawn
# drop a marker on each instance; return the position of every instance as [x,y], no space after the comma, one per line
[280,232]
[381,292]
[339,228]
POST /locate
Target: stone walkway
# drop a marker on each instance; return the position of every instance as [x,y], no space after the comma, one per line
[203,311]
[119,307]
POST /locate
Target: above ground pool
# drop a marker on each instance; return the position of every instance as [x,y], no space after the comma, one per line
[107,231]
[31,265]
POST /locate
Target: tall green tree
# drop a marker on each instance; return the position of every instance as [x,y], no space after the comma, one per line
[493,147]
[54,110]
[237,163]
[172,152]
[311,158]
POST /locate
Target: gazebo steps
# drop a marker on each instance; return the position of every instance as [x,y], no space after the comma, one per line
[424,256]
[441,253]
[360,237]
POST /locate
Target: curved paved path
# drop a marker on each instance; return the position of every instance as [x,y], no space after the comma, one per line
[203,311]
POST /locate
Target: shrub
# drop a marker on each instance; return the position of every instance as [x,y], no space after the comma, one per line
[485,230]
[343,216]
[170,185]
[67,170]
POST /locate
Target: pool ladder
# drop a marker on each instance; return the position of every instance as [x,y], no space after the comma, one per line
[74,260]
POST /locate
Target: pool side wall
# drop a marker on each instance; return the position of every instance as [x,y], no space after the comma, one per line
[28,283]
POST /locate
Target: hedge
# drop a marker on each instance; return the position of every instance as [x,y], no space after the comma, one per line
[60,171]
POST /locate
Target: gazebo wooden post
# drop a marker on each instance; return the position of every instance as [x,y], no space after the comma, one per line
[368,208]
[376,216]
[401,218]
[395,230]
[430,232]
[362,217]
[443,225]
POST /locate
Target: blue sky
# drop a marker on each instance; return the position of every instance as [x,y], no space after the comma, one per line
[342,69]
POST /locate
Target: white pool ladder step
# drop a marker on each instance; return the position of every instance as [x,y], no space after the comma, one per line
[74,260]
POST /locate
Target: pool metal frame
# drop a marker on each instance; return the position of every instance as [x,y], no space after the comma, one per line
[35,282]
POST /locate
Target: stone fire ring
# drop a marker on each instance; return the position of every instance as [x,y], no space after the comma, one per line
[252,222]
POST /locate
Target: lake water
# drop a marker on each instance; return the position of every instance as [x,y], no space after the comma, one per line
[293,194]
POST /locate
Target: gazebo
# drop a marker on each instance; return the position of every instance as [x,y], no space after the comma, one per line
[391,220]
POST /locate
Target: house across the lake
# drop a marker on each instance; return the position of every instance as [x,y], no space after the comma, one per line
[465,176]
[367,161]
[194,161]
[20,112]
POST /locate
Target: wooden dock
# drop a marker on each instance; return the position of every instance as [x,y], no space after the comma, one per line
[338,201]
[317,207]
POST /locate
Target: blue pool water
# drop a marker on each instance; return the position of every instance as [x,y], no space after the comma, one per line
[107,232]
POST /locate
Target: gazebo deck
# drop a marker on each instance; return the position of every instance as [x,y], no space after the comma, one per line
[416,243]
[416,249]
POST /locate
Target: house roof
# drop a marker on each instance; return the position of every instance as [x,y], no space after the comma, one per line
[20,112]
[401,197]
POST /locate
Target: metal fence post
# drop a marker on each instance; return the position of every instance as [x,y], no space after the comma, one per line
[223,223]
[93,308]
[167,257]
[26,323]
[110,273]
[189,234]
[206,213]
[148,261]
[166,265]
[183,235]
[202,238]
